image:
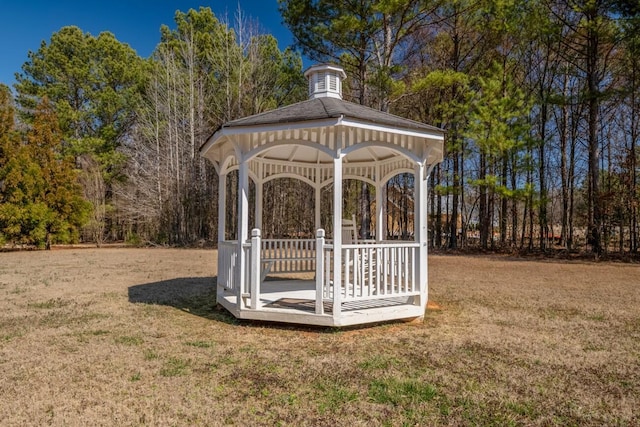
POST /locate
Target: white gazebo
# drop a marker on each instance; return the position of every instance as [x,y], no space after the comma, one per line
[323,141]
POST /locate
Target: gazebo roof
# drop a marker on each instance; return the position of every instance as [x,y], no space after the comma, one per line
[315,132]
[329,108]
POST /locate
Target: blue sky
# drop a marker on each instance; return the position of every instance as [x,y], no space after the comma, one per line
[26,23]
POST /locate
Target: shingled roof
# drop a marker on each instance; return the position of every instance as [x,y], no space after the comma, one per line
[328,108]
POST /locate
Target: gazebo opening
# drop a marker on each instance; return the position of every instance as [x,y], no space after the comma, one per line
[296,172]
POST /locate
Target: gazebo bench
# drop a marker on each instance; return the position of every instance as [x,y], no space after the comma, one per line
[268,263]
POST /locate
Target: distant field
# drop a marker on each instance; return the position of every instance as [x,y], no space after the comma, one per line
[132,337]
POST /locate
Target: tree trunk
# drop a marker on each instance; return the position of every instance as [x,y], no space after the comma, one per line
[483,213]
[504,200]
[542,171]
[595,202]
[563,131]
[633,189]
[453,223]
[514,203]
[437,175]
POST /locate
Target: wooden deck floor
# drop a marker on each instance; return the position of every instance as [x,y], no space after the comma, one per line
[293,301]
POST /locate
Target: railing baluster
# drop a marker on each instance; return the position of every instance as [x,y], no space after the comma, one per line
[347,263]
[405,273]
[254,270]
[379,266]
[320,273]
[413,270]
[386,269]
[364,270]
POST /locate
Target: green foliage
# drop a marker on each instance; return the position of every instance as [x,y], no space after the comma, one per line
[275,79]
[93,84]
[499,111]
[446,89]
[441,80]
[498,126]
[365,37]
[40,200]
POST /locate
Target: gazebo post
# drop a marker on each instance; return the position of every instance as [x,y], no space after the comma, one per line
[420,231]
[318,201]
[222,209]
[259,203]
[380,221]
[243,227]
[337,234]
[259,196]
[222,206]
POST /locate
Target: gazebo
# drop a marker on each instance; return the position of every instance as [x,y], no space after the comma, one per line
[323,141]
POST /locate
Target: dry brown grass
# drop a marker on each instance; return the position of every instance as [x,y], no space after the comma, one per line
[131,337]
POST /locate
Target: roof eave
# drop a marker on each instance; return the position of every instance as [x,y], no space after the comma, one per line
[434,134]
[227,131]
[277,126]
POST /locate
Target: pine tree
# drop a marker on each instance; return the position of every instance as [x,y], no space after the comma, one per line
[497,125]
[94,84]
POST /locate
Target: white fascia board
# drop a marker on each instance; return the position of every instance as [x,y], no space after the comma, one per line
[239,130]
[401,131]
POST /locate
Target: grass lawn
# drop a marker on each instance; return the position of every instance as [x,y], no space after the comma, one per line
[132,337]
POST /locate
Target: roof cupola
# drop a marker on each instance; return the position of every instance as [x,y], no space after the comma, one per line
[325,80]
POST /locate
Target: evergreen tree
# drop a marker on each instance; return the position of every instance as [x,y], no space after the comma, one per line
[497,125]
[61,192]
[94,85]
[366,37]
[40,199]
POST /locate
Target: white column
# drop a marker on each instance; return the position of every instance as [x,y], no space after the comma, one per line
[318,191]
[337,235]
[222,209]
[222,206]
[243,227]
[319,270]
[380,219]
[420,232]
[259,202]
[259,196]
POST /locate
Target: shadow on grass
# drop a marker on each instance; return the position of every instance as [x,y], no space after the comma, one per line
[195,295]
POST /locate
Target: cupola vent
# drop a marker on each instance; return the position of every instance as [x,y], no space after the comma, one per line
[325,80]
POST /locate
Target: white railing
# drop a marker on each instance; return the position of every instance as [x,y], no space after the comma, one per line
[372,271]
[288,256]
[369,270]
[227,262]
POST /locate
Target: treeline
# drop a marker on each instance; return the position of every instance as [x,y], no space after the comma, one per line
[539,99]
[130,128]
